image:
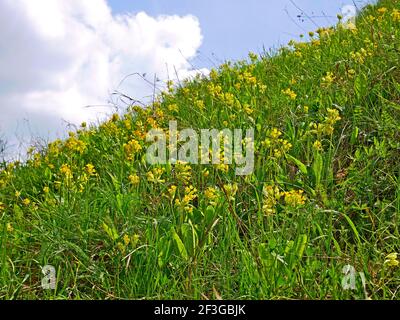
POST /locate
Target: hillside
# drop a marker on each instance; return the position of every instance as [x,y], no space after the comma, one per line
[324,194]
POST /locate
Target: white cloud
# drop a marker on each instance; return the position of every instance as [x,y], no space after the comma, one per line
[58,56]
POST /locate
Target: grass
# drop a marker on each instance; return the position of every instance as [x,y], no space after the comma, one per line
[325,191]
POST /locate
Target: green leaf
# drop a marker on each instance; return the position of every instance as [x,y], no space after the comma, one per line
[317,168]
[302,167]
[180,245]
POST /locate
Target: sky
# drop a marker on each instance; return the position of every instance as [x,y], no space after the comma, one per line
[61,60]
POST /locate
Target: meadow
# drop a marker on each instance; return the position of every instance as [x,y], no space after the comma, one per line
[316,219]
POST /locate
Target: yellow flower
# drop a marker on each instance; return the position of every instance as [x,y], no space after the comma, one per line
[26,202]
[206,173]
[185,203]
[306,109]
[275,133]
[126,239]
[134,179]
[211,195]
[66,171]
[115,117]
[183,172]
[155,175]
[290,93]
[294,198]
[328,79]
[90,170]
[173,107]
[9,228]
[317,145]
[172,192]
[231,190]
[396,15]
[391,260]
[222,167]
[46,190]
[248,110]
[17,194]
[271,195]
[382,10]
[132,148]
[199,104]
[2,206]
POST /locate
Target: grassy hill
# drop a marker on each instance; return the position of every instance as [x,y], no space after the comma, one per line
[324,193]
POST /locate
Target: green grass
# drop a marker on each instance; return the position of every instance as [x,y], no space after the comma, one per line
[110,237]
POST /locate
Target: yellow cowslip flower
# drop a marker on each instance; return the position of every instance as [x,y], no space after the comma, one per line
[155,175]
[205,173]
[328,79]
[213,74]
[75,145]
[9,227]
[127,124]
[172,192]
[134,179]
[333,116]
[294,198]
[90,170]
[126,239]
[17,194]
[199,104]
[275,133]
[115,117]
[285,145]
[2,206]
[211,194]
[306,109]
[396,15]
[66,171]
[316,43]
[351,73]
[26,202]
[382,10]
[290,93]
[271,196]
[231,190]
[185,203]
[317,145]
[183,172]
[224,168]
[132,148]
[46,190]
[391,260]
[248,109]
[173,107]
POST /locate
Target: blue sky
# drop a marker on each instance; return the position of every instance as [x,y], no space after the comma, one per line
[232,28]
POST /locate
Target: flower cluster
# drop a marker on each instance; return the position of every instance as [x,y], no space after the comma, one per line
[277,145]
[290,93]
[155,175]
[294,198]
[131,149]
[186,202]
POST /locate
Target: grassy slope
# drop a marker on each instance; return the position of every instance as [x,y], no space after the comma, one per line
[111,237]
